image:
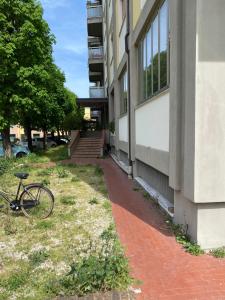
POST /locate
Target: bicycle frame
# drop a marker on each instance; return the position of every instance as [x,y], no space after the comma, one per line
[21,185]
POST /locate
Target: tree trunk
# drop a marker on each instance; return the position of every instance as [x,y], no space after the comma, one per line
[6,142]
[53,134]
[29,138]
[44,139]
[58,132]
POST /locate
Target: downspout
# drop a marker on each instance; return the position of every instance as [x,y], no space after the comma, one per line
[127,48]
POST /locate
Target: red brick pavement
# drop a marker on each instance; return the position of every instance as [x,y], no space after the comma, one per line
[166,270]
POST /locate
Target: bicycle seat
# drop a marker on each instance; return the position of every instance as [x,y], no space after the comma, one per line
[22,175]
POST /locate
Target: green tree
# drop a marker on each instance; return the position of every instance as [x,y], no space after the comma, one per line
[26,52]
[73,114]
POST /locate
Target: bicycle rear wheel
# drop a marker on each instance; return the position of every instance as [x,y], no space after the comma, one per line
[37,202]
[4,205]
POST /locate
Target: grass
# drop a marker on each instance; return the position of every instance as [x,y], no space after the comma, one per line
[37,256]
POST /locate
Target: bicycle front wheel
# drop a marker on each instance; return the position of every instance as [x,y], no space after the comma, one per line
[37,202]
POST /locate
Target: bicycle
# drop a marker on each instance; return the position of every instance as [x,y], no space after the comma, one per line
[35,200]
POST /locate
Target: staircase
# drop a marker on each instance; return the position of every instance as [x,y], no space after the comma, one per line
[90,145]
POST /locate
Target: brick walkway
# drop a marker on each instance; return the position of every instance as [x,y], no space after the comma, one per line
[167,272]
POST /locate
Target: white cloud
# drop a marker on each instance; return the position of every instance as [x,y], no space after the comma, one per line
[77,49]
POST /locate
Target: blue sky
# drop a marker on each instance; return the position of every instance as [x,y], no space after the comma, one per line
[67,20]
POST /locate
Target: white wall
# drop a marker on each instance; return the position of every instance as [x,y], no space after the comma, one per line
[210,102]
[123,129]
[152,123]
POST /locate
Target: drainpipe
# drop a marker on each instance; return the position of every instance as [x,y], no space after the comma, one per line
[128,87]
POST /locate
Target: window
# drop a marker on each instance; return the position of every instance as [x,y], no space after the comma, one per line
[123,93]
[153,55]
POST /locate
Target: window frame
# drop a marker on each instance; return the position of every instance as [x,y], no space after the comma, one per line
[123,86]
[140,59]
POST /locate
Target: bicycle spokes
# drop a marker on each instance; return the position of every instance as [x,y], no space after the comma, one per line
[37,202]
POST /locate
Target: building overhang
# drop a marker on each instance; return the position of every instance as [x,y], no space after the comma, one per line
[92,102]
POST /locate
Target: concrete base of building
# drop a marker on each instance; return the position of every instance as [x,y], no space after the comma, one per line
[204,222]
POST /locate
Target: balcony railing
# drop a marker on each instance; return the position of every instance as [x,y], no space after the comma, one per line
[94,11]
[96,52]
[94,41]
[97,92]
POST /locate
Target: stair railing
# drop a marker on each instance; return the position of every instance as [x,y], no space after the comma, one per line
[102,143]
[75,136]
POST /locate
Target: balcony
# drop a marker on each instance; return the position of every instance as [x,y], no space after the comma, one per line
[96,53]
[97,92]
[94,11]
[94,41]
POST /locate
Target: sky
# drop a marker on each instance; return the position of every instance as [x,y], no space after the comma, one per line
[67,20]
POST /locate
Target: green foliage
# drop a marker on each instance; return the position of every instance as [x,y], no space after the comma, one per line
[107,205]
[112,126]
[93,201]
[183,239]
[26,56]
[75,179]
[68,200]
[45,224]
[136,189]
[5,165]
[45,182]
[45,172]
[62,172]
[32,87]
[218,253]
[15,280]
[98,171]
[38,257]
[146,195]
[74,115]
[102,270]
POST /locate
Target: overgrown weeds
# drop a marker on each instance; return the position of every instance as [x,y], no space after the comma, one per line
[184,239]
[102,270]
[218,253]
[38,257]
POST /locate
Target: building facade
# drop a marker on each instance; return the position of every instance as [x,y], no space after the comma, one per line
[163,71]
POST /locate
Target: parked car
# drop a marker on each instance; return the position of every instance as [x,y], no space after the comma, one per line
[38,143]
[18,151]
[59,141]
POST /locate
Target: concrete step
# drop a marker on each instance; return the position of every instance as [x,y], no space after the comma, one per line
[86,153]
[89,140]
[85,156]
